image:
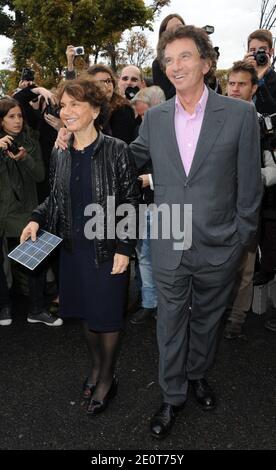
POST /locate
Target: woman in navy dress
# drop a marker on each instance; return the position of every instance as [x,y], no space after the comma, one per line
[93,269]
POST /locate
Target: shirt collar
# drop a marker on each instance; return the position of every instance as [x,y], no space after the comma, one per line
[200,106]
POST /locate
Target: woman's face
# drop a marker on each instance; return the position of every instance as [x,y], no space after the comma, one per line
[77,116]
[105,81]
[173,24]
[12,123]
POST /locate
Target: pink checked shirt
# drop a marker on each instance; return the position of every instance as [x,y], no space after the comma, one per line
[187,129]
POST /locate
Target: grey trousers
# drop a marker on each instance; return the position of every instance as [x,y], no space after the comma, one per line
[191,301]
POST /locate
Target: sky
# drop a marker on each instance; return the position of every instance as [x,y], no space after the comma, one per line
[233,21]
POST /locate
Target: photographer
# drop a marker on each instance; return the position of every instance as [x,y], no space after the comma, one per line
[260,52]
[41,115]
[21,167]
[130,81]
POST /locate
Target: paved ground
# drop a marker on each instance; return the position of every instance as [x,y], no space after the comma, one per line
[42,370]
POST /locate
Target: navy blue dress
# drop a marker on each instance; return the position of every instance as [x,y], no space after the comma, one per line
[87,291]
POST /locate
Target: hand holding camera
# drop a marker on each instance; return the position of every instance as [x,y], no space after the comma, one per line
[5,142]
[11,149]
[260,59]
[71,53]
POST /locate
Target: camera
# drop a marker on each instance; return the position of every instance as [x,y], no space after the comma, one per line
[261,57]
[52,109]
[130,92]
[13,148]
[208,29]
[79,50]
[267,123]
[27,74]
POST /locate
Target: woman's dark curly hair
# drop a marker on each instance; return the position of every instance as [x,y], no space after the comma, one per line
[117,101]
[86,90]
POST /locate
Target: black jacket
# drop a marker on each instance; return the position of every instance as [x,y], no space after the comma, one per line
[161,79]
[265,96]
[265,101]
[47,135]
[113,174]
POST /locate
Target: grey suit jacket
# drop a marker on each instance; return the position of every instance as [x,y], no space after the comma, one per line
[224,183]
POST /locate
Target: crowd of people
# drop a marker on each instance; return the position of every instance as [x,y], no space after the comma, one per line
[76,158]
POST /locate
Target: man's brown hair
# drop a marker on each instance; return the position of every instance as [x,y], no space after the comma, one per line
[261,35]
[200,38]
[243,66]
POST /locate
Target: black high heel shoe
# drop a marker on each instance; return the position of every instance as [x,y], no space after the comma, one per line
[97,406]
[87,389]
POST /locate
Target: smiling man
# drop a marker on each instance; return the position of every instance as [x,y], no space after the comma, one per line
[204,149]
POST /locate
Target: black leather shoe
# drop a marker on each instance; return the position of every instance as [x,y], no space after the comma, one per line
[97,406]
[163,420]
[142,315]
[204,394]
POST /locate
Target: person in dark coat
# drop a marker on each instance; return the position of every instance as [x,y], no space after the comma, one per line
[21,168]
[171,21]
[93,266]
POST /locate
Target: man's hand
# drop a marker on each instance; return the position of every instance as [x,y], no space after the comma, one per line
[120,264]
[29,231]
[260,69]
[70,54]
[62,139]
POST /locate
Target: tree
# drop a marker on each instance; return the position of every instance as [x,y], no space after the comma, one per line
[137,50]
[268,15]
[41,29]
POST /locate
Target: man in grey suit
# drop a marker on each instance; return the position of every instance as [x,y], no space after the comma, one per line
[204,150]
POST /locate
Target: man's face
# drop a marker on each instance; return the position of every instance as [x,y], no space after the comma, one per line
[240,86]
[256,44]
[130,76]
[184,67]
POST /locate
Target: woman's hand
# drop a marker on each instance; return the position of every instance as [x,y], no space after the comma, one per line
[47,94]
[145,180]
[62,138]
[5,142]
[29,231]
[53,121]
[19,156]
[120,264]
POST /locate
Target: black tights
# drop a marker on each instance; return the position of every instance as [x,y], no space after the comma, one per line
[102,351]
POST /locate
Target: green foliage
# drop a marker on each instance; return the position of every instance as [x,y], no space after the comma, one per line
[41,30]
